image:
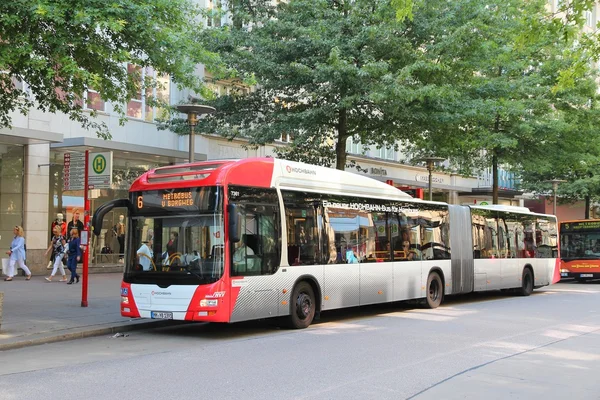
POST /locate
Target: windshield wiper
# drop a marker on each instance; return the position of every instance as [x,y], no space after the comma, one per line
[189,271]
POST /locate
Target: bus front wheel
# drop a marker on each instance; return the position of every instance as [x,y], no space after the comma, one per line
[303,306]
[435,290]
[526,283]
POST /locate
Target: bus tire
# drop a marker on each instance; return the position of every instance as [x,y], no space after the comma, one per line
[303,306]
[526,283]
[435,290]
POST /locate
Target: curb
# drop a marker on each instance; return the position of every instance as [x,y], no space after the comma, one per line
[87,333]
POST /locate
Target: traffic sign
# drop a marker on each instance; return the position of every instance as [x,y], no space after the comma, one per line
[100,170]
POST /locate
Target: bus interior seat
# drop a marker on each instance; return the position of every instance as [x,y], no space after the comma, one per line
[293,255]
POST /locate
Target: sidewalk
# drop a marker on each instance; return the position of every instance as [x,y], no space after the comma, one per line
[38,312]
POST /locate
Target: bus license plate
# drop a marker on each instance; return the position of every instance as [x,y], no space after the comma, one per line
[161,315]
[586,275]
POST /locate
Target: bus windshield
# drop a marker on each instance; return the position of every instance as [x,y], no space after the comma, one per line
[182,249]
[580,246]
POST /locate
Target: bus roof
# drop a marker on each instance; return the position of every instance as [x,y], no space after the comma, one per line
[265,172]
[506,208]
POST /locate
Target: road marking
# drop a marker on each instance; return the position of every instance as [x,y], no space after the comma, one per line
[569,291]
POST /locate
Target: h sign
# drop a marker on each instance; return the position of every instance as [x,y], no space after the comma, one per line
[100,170]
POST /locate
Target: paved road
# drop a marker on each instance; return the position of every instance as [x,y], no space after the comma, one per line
[489,346]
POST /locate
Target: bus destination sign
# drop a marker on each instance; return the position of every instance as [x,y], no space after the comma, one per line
[580,226]
[176,200]
[180,199]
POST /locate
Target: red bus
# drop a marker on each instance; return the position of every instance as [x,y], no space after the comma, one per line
[227,241]
[580,249]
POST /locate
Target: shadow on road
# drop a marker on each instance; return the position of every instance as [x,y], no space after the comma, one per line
[248,329]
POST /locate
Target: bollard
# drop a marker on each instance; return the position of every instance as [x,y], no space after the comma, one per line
[1,303]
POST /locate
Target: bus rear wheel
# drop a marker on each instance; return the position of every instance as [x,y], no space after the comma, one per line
[303,306]
[526,283]
[435,290]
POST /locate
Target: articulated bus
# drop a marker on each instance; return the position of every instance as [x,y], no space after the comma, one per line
[580,249]
[227,241]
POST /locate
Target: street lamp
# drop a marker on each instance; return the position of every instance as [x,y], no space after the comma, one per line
[430,164]
[192,111]
[555,183]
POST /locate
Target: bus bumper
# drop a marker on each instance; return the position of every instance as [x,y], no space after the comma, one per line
[579,275]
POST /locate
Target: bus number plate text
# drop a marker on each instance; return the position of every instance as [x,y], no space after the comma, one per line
[161,315]
[586,275]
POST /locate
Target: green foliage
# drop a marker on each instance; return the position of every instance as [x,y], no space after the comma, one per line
[61,48]
[505,106]
[326,71]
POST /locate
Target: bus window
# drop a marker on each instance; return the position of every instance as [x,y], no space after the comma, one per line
[433,221]
[258,251]
[302,228]
[406,235]
[379,249]
[343,226]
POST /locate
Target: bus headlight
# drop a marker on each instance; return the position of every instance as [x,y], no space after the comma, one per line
[209,302]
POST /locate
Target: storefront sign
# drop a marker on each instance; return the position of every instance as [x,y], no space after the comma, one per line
[378,171]
[425,178]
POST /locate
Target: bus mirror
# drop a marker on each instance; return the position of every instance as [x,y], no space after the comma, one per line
[104,209]
[234,222]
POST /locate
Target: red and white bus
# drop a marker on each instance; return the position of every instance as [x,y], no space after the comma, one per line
[580,249]
[247,239]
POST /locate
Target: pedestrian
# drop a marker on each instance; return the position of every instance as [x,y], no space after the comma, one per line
[17,254]
[57,245]
[74,255]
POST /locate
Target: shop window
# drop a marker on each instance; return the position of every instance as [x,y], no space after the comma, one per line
[11,196]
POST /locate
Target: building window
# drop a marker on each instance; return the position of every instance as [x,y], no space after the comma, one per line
[93,101]
[214,18]
[387,153]
[140,105]
[353,146]
[589,19]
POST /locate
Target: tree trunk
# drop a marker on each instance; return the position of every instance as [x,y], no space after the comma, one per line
[495,178]
[340,146]
[587,207]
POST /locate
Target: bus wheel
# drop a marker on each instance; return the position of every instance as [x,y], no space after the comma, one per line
[526,283]
[303,306]
[435,290]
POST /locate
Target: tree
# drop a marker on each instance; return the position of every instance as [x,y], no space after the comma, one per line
[62,48]
[507,107]
[320,68]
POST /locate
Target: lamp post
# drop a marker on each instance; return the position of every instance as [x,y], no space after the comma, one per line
[430,164]
[555,183]
[193,111]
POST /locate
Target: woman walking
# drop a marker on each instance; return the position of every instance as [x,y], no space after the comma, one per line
[57,246]
[17,254]
[74,252]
